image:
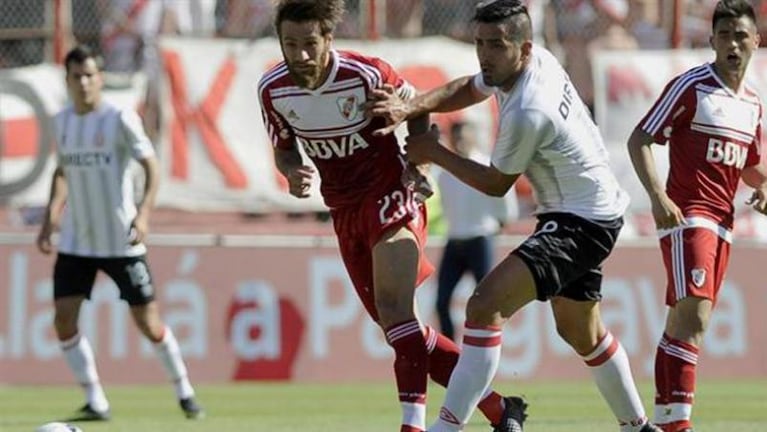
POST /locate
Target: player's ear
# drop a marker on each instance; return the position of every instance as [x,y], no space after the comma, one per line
[527,48]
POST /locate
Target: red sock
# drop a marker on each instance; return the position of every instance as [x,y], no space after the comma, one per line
[661,374]
[410,368]
[443,355]
[680,361]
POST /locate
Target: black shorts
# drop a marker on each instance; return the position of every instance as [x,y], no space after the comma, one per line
[565,255]
[75,275]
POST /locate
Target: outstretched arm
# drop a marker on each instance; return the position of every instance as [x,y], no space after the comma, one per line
[455,95]
[485,178]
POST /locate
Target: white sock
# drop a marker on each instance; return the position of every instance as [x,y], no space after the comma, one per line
[610,368]
[170,356]
[79,355]
[476,367]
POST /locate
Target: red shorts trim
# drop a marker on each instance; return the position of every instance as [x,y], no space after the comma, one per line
[696,261]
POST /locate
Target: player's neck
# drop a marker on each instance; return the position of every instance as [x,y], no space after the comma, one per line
[83,108]
[508,85]
[732,79]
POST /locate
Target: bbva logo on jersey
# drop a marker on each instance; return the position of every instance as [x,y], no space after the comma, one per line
[339,147]
[348,107]
[726,152]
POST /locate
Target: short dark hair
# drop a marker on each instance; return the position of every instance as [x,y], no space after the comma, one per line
[327,12]
[511,12]
[732,9]
[79,54]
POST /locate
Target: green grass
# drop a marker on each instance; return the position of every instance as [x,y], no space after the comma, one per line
[722,406]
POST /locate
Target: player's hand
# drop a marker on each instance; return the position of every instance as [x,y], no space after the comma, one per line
[758,200]
[420,147]
[300,180]
[43,242]
[666,213]
[139,228]
[416,179]
[385,103]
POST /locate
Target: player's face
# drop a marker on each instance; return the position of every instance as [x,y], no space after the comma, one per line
[84,82]
[500,58]
[306,52]
[734,40]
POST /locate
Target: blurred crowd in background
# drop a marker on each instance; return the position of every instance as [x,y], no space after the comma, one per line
[125,32]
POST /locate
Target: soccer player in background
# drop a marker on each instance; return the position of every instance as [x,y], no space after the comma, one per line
[711,121]
[473,220]
[545,132]
[313,99]
[91,204]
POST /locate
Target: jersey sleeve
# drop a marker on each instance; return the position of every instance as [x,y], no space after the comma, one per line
[678,97]
[134,136]
[388,75]
[280,133]
[519,138]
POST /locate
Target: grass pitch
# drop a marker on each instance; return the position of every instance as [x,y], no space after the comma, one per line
[722,406]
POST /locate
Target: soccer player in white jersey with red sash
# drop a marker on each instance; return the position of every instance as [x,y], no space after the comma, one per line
[313,100]
[711,121]
[92,206]
[546,133]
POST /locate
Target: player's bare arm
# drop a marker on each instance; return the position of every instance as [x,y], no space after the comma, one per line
[665,212]
[291,165]
[140,225]
[756,177]
[56,203]
[453,96]
[487,179]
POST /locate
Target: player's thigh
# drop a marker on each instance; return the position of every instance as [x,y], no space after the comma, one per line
[395,270]
[133,278]
[565,253]
[696,260]
[73,276]
[506,289]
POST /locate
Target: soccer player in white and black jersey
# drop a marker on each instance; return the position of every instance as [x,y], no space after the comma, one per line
[546,133]
[711,121]
[91,204]
[313,100]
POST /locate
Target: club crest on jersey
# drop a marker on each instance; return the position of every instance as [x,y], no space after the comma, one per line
[347,106]
[698,276]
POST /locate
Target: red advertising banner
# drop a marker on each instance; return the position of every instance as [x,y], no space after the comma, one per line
[289,312]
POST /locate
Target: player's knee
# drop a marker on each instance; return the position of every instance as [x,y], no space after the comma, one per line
[393,308]
[483,310]
[65,325]
[690,329]
[580,340]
